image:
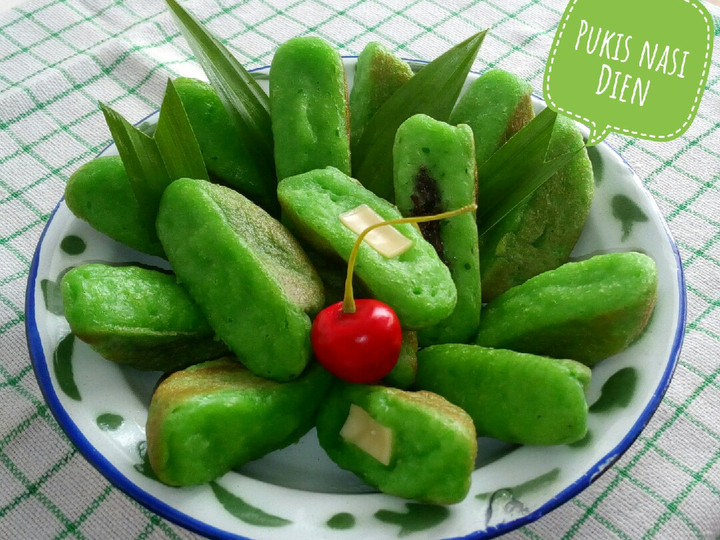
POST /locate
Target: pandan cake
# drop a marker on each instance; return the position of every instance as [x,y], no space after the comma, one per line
[225,147]
[404,372]
[309,107]
[434,171]
[137,316]
[495,106]
[411,444]
[247,273]
[540,233]
[511,396]
[415,282]
[586,310]
[378,74]
[216,416]
[100,193]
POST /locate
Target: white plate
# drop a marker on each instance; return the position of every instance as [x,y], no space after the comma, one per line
[297,492]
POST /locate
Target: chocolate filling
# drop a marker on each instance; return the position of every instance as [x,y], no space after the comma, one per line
[426,202]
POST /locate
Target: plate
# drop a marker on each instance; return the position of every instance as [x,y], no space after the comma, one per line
[298,492]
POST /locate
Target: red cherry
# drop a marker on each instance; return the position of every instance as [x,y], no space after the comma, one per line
[359,347]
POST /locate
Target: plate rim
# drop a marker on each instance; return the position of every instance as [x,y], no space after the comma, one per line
[154,504]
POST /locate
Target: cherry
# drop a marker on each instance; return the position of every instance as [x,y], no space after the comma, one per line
[359,341]
[359,347]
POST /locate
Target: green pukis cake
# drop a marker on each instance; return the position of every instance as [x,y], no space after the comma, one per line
[403,374]
[434,172]
[416,283]
[378,74]
[586,310]
[215,416]
[137,316]
[247,273]
[410,444]
[309,107]
[511,396]
[540,233]
[100,193]
[496,106]
[225,147]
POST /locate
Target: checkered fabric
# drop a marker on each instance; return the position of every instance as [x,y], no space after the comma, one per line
[58,58]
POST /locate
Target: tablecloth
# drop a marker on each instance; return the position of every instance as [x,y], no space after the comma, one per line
[58,58]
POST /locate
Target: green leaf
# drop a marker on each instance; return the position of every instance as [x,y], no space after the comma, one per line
[419,517]
[246,101]
[432,91]
[152,162]
[142,160]
[517,169]
[245,511]
[52,293]
[628,212]
[62,365]
[176,140]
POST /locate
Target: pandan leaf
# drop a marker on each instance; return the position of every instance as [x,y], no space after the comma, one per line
[153,162]
[432,91]
[176,140]
[245,100]
[142,161]
[517,169]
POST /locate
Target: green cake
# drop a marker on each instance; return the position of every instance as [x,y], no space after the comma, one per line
[137,316]
[416,283]
[100,193]
[585,310]
[514,397]
[309,107]
[434,172]
[539,234]
[403,374]
[224,145]
[378,74]
[495,106]
[216,416]
[410,444]
[247,273]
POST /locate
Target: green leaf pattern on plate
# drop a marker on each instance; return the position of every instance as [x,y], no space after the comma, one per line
[418,517]
[244,511]
[628,212]
[109,421]
[341,521]
[507,501]
[144,467]
[617,391]
[73,245]
[526,487]
[62,365]
[52,296]
[597,163]
[52,292]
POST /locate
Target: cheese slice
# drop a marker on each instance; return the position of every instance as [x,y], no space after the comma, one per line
[368,434]
[386,240]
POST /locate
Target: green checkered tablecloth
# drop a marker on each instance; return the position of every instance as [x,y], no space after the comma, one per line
[58,58]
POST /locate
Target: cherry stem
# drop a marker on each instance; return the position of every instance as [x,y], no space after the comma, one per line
[348,305]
